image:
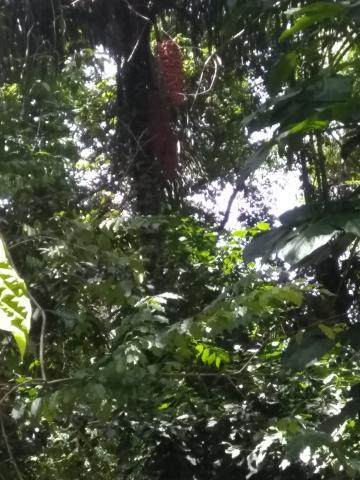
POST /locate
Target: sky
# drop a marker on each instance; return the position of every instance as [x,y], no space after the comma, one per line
[284,194]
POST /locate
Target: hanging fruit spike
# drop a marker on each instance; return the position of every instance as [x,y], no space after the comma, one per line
[169,59]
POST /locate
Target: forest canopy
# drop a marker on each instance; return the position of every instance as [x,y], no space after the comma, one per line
[158,319]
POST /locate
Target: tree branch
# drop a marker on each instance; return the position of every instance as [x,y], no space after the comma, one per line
[10,453]
[229,205]
[42,337]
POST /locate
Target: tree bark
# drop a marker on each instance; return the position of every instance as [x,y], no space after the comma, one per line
[136,85]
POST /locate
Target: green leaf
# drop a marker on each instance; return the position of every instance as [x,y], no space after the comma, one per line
[199,348]
[264,244]
[263,226]
[99,390]
[352,225]
[36,407]
[255,160]
[205,355]
[282,70]
[310,105]
[301,23]
[211,359]
[352,337]
[329,8]
[308,125]
[328,88]
[288,425]
[312,14]
[296,244]
[306,242]
[299,215]
[300,354]
[310,439]
[291,295]
[327,331]
[15,307]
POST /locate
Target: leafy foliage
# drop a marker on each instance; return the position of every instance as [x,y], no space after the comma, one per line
[160,346]
[15,305]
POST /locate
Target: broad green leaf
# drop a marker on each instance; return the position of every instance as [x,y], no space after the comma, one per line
[288,425]
[263,226]
[199,348]
[99,390]
[264,244]
[299,215]
[352,337]
[325,7]
[354,464]
[205,355]
[311,105]
[308,125]
[328,88]
[301,23]
[272,296]
[255,160]
[15,306]
[306,242]
[310,439]
[290,294]
[350,410]
[282,70]
[36,407]
[327,331]
[295,243]
[300,354]
[211,359]
[312,14]
[352,225]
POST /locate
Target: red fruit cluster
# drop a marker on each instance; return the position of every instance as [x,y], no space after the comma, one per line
[169,59]
[163,137]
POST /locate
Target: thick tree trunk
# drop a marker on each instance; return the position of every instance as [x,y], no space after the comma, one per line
[136,85]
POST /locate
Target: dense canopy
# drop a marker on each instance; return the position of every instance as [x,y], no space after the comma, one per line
[159,319]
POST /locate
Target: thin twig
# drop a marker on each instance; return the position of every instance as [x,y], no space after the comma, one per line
[247,363]
[136,12]
[10,453]
[212,83]
[229,205]
[39,381]
[54,22]
[32,239]
[343,51]
[7,394]
[42,337]
[128,60]
[34,382]
[252,163]
[183,325]
[214,55]
[41,345]
[346,272]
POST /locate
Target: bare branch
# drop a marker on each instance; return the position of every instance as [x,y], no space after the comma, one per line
[229,205]
[136,12]
[10,453]
[42,336]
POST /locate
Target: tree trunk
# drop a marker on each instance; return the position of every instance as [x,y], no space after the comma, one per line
[136,85]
